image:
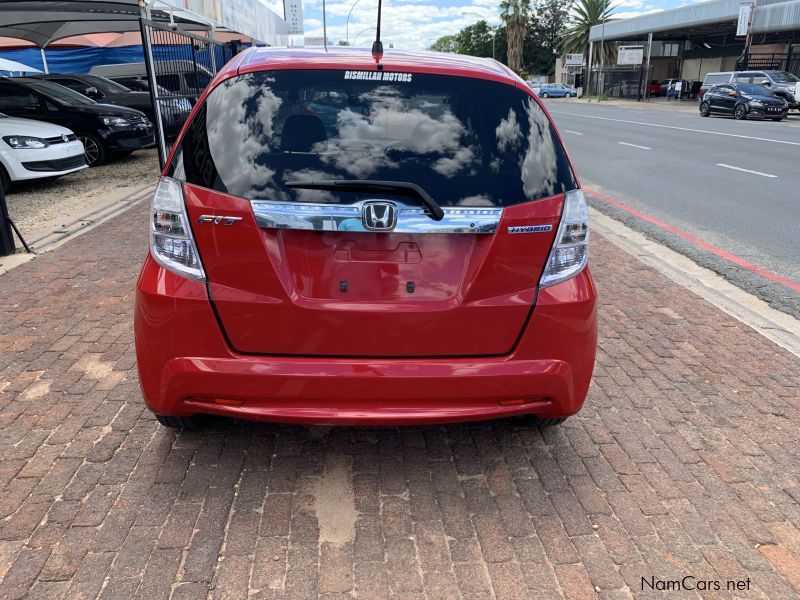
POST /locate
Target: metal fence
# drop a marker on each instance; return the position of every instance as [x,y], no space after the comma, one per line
[627,83]
[179,66]
[789,61]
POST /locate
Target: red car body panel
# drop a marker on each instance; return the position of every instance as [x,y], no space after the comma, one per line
[187,367]
[270,337]
[283,296]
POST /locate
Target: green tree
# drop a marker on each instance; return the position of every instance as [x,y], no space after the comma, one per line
[474,40]
[446,43]
[477,39]
[543,42]
[342,43]
[585,15]
[515,14]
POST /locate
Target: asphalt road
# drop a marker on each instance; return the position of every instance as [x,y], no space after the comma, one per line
[732,184]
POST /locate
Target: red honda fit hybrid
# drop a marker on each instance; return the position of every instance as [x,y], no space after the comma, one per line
[341,240]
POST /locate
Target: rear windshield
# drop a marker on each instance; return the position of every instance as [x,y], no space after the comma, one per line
[755,89]
[722,78]
[467,142]
[782,77]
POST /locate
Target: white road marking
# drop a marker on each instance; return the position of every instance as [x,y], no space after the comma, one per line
[634,145]
[573,132]
[735,135]
[746,170]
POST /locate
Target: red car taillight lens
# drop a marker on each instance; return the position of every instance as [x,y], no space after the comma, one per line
[171,241]
[571,247]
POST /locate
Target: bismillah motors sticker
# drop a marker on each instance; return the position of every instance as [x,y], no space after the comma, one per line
[378,76]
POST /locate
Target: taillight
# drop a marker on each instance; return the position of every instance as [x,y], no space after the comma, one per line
[571,247]
[171,241]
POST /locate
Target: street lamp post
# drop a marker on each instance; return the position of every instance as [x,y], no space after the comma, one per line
[494,29]
[601,77]
[355,39]
[347,25]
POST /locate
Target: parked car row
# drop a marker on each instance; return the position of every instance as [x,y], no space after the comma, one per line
[174,111]
[780,83]
[742,101]
[52,125]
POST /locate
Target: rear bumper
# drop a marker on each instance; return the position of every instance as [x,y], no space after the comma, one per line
[762,113]
[131,138]
[187,368]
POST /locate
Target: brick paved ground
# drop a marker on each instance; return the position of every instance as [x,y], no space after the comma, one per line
[684,461]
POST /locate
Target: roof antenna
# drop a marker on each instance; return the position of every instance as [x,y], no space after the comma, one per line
[377,45]
[324,27]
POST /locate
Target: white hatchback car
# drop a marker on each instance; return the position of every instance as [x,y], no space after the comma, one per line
[33,149]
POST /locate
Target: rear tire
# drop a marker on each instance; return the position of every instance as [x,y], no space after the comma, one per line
[93,149]
[534,421]
[704,109]
[5,180]
[178,422]
[545,95]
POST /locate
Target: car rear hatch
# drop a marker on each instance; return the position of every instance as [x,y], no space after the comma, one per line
[372,214]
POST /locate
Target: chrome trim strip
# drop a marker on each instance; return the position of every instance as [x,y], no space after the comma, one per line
[271,214]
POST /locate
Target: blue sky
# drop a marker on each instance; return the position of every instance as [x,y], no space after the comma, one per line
[415,24]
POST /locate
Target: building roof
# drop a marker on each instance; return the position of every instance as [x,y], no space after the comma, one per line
[702,18]
[44,21]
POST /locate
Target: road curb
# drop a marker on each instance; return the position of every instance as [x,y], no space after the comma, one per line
[781,328]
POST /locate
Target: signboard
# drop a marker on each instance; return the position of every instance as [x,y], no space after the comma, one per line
[573,60]
[630,55]
[743,23]
[293,10]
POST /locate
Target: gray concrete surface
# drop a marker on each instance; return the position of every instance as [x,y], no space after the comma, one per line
[667,165]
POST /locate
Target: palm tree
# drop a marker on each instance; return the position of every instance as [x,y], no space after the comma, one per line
[515,15]
[585,15]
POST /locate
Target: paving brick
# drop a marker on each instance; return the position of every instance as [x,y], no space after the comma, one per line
[232,578]
[371,580]
[440,585]
[431,544]
[473,579]
[335,568]
[159,574]
[403,568]
[269,564]
[574,581]
[661,473]
[555,540]
[507,581]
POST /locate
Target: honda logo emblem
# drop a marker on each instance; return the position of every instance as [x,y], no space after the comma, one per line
[379,216]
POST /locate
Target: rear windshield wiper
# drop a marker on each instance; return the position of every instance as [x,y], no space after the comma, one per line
[402,188]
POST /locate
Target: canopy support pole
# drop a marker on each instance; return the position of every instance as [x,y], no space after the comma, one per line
[212,35]
[44,59]
[144,14]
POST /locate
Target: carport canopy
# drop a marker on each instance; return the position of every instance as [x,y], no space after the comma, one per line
[42,22]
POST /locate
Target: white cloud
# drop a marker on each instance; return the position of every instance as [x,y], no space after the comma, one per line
[407,24]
